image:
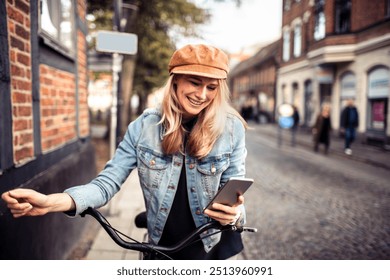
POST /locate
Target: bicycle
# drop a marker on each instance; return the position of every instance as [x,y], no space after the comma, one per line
[151,251]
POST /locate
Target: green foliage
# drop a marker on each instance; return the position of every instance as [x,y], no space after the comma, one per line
[95,5]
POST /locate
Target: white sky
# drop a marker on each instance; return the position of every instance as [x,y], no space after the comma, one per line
[232,29]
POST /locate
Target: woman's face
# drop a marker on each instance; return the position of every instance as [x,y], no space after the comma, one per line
[195,93]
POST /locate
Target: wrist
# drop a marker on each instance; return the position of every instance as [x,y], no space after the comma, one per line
[60,202]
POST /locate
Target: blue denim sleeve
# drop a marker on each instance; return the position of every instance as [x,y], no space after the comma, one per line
[237,160]
[109,181]
[238,156]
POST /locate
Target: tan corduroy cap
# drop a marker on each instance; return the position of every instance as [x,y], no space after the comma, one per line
[200,60]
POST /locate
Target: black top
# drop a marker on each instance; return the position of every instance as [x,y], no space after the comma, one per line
[325,129]
[180,223]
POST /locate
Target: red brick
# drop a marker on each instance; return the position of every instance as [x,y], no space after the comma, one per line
[22,32]
[12,56]
[22,84]
[19,97]
[22,6]
[21,124]
[24,138]
[23,153]
[17,43]
[24,111]
[11,26]
[24,59]
[17,71]
[15,14]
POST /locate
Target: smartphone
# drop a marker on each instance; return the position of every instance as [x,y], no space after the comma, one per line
[228,193]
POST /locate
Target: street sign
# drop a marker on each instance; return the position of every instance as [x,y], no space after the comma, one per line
[116,42]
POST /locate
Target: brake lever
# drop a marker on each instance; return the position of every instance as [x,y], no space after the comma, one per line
[250,229]
[241,229]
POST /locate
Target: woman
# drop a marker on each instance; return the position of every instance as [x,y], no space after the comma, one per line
[183,151]
[322,128]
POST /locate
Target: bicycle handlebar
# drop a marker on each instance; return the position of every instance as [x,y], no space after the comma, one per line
[147,247]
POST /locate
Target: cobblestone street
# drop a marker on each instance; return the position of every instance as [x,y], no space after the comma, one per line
[311,206]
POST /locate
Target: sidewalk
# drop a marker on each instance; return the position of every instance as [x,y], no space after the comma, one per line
[129,201]
[121,212]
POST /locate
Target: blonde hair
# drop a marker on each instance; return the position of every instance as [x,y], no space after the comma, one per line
[209,126]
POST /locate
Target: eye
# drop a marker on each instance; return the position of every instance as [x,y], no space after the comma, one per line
[212,87]
[195,83]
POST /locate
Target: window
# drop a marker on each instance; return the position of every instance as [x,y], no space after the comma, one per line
[378,96]
[342,16]
[319,24]
[348,86]
[286,45]
[309,102]
[287,5]
[297,40]
[295,94]
[57,24]
[379,83]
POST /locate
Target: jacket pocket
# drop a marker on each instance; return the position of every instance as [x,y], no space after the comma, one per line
[213,165]
[211,169]
[151,167]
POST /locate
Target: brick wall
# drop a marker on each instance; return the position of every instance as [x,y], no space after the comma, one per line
[58,107]
[58,88]
[20,63]
[368,20]
[43,93]
[366,13]
[83,85]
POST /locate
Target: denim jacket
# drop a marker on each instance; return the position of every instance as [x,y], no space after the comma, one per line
[159,173]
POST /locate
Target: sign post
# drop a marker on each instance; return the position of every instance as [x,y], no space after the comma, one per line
[116,43]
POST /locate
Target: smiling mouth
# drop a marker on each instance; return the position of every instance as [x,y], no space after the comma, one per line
[194,102]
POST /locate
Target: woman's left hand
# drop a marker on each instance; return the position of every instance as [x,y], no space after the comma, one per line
[226,214]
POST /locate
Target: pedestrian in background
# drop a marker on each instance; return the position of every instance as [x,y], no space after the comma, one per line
[184,151]
[295,126]
[349,121]
[322,129]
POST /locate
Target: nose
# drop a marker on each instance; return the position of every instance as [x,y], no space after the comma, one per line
[202,93]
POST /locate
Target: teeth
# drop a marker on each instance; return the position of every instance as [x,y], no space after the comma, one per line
[195,102]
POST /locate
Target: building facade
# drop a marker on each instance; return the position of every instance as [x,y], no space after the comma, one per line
[44,119]
[253,84]
[334,50]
